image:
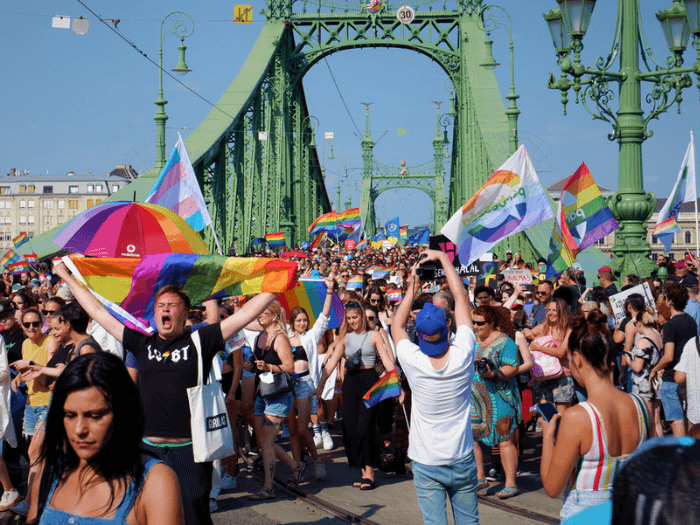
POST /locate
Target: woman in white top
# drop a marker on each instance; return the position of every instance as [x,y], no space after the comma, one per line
[7,430]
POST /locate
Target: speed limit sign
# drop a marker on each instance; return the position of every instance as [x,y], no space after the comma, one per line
[405,14]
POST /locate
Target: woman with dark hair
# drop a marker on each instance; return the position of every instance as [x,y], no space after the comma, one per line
[375,297]
[307,369]
[91,458]
[596,436]
[359,422]
[496,405]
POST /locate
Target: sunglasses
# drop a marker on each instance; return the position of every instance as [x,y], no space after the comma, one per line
[374,300]
[32,324]
[479,323]
[371,318]
[352,304]
[540,293]
[48,312]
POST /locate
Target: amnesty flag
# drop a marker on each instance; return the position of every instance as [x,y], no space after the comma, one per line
[512,200]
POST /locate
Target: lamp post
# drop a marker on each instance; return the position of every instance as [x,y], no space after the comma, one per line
[568,24]
[180,28]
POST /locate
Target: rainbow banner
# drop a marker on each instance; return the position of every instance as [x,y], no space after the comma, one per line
[20,240]
[9,257]
[324,223]
[394,295]
[683,191]
[356,282]
[318,241]
[31,258]
[310,294]
[582,219]
[386,388]
[512,200]
[275,240]
[18,268]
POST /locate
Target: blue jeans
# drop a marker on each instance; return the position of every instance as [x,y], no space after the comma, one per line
[458,480]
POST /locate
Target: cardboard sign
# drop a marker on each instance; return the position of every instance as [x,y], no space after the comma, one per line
[617,301]
[349,244]
[443,244]
[518,276]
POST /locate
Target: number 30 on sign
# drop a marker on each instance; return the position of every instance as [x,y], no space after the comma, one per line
[405,14]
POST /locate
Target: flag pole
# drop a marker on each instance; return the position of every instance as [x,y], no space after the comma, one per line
[697,230]
[216,239]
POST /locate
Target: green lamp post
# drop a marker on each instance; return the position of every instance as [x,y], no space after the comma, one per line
[179,27]
[568,24]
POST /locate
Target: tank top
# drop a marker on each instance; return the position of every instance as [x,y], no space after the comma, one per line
[361,343]
[597,469]
[267,354]
[299,353]
[53,516]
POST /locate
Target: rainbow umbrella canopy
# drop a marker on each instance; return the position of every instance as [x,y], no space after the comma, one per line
[129,229]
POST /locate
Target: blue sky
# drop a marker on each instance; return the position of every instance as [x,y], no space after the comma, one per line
[85,103]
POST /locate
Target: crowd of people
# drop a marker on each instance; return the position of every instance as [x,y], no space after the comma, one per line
[99,410]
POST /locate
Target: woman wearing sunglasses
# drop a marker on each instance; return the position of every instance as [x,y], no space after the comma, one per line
[359,422]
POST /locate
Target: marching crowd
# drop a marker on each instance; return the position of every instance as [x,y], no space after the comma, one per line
[100,410]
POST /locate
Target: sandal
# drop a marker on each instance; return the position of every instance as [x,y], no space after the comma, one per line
[508,492]
[368,484]
[358,482]
[263,494]
[297,475]
[482,484]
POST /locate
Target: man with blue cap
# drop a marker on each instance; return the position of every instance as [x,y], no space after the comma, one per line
[440,372]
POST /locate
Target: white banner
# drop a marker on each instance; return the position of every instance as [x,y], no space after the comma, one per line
[617,301]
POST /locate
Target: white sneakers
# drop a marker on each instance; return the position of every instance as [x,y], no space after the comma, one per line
[318,440]
[327,440]
[8,499]
[228,482]
[319,470]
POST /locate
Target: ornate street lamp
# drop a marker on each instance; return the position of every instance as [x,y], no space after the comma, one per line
[179,27]
[568,24]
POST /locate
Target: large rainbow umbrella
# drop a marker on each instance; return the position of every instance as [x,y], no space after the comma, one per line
[129,229]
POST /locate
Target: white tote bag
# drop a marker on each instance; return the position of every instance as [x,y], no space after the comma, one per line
[212,437]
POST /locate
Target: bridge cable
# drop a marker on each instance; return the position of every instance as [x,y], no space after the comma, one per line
[325,59]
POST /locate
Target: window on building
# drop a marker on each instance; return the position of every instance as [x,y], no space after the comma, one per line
[48,204]
[90,188]
[30,220]
[48,189]
[73,204]
[2,220]
[98,201]
[8,237]
[23,219]
[23,188]
[5,190]
[8,205]
[115,188]
[90,203]
[61,204]
[687,237]
[30,188]
[2,205]
[73,189]
[98,188]
[8,220]
[30,205]
[22,204]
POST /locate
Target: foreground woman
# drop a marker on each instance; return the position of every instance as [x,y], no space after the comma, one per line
[92,468]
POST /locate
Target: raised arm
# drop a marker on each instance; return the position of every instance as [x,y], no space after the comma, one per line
[398,327]
[463,312]
[248,312]
[90,304]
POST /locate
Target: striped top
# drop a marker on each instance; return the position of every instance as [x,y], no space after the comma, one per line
[597,469]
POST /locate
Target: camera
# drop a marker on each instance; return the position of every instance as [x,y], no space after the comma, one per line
[483,365]
[427,272]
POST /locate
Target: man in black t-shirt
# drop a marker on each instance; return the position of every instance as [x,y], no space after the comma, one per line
[167,364]
[677,331]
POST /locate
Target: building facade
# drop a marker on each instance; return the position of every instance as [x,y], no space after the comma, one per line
[37,203]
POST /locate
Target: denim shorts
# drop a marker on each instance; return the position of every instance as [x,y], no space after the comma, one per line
[276,406]
[302,388]
[673,410]
[577,501]
[34,419]
[559,390]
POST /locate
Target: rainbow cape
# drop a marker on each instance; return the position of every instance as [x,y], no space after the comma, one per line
[9,257]
[21,239]
[18,267]
[324,223]
[275,240]
[512,200]
[355,282]
[386,388]
[310,294]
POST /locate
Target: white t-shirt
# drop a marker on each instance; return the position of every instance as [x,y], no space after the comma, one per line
[441,431]
[690,364]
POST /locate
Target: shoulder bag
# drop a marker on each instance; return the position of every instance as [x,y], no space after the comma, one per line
[545,366]
[353,363]
[273,384]
[212,437]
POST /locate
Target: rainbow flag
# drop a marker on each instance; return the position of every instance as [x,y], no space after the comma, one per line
[394,295]
[512,200]
[356,282]
[275,240]
[310,294]
[582,219]
[349,217]
[20,240]
[683,191]
[361,245]
[324,223]
[386,388]
[9,257]
[31,258]
[178,190]
[18,267]
[404,232]
[318,241]
[380,272]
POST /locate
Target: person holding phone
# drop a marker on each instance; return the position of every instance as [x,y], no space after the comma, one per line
[596,436]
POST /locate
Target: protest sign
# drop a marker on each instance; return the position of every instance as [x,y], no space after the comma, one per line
[518,276]
[617,301]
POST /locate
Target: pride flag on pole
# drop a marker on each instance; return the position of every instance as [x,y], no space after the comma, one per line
[356,282]
[683,191]
[275,240]
[20,240]
[310,294]
[18,268]
[512,200]
[324,223]
[31,258]
[386,388]
[349,217]
[318,241]
[178,190]
[9,257]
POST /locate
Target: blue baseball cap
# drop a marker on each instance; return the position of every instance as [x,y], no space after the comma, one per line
[431,330]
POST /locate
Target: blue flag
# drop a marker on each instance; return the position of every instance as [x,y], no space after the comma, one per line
[419,238]
[392,228]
